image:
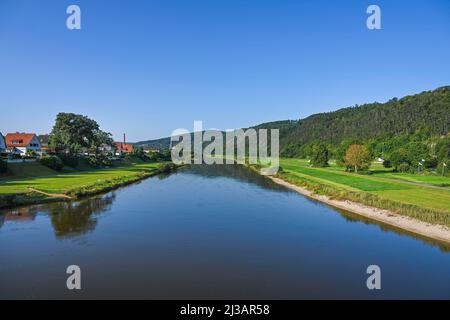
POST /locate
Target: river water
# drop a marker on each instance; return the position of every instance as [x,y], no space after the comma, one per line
[211,232]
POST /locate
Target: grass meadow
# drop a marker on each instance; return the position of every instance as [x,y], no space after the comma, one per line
[425,197]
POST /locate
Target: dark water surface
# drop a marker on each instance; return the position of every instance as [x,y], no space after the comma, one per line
[218,232]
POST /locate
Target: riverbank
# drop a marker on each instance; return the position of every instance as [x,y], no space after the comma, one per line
[434,231]
[72,186]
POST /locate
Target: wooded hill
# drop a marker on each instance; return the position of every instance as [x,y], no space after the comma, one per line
[425,115]
[427,112]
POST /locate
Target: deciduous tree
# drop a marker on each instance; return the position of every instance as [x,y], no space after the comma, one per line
[358,157]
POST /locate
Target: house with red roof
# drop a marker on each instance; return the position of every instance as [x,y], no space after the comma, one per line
[122,148]
[21,143]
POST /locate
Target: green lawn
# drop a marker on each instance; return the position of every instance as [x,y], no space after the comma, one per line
[423,191]
[49,181]
[434,180]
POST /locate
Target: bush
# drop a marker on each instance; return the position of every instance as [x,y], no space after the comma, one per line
[68,160]
[404,167]
[53,162]
[3,166]
[139,152]
[430,163]
[160,156]
[30,154]
[443,169]
[387,164]
[100,160]
[166,167]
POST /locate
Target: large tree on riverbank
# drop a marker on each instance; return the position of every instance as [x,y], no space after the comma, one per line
[319,155]
[73,133]
[357,158]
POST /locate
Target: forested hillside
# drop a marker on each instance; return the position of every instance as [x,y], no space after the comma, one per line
[427,113]
[411,128]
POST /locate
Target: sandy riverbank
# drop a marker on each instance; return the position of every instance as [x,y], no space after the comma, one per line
[438,232]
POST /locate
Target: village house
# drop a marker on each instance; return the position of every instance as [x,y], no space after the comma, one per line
[122,148]
[148,149]
[44,141]
[2,144]
[21,143]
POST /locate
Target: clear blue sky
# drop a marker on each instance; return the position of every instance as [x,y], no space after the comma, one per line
[149,67]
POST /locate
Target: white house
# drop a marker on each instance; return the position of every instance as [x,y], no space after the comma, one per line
[2,143]
[21,143]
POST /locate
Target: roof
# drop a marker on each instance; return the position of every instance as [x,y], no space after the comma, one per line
[19,139]
[124,147]
[44,138]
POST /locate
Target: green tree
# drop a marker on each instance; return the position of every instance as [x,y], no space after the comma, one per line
[73,133]
[341,150]
[358,157]
[416,152]
[398,157]
[139,152]
[319,155]
[100,139]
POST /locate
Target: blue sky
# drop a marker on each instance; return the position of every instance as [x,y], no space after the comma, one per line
[149,67]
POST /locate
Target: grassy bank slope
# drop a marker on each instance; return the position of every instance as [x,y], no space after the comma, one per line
[417,196]
[16,191]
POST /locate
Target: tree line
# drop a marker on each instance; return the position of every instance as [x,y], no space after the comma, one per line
[410,134]
[75,137]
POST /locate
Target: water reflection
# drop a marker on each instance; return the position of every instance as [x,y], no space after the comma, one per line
[219,232]
[25,214]
[73,219]
[236,172]
[69,219]
[356,218]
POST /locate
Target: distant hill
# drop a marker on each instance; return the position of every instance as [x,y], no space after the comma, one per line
[161,144]
[425,111]
[428,112]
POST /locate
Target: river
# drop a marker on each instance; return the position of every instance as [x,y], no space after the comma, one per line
[211,232]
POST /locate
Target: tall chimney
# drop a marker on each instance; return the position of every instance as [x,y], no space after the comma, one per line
[124,141]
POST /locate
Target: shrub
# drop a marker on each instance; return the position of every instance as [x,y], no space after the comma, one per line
[99,160]
[160,156]
[3,166]
[139,152]
[68,160]
[53,162]
[430,163]
[30,154]
[166,167]
[404,167]
[443,169]
[387,164]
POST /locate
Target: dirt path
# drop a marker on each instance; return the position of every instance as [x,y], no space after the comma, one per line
[52,195]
